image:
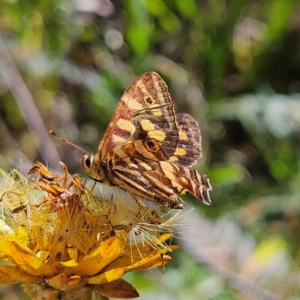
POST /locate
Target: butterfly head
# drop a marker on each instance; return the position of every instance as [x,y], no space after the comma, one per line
[90,163]
[87,161]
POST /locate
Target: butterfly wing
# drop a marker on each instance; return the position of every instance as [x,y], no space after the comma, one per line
[161,181]
[144,111]
[185,180]
[188,150]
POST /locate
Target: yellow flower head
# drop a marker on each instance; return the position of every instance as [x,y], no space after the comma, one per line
[59,239]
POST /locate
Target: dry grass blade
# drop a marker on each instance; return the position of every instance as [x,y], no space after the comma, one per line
[26,104]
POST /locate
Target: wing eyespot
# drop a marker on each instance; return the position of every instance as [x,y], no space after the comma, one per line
[152,145]
[149,100]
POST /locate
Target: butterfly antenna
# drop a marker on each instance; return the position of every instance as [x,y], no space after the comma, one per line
[66,141]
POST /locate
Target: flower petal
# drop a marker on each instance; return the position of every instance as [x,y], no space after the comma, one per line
[100,257]
[13,274]
[25,258]
[164,237]
[135,256]
[150,262]
[73,253]
[108,276]
[69,263]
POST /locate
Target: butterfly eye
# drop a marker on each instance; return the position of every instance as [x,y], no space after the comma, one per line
[86,161]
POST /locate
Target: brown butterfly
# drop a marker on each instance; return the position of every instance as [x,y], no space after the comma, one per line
[147,149]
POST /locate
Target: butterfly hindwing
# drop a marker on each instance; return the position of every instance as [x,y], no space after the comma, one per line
[161,182]
[185,180]
[146,180]
[188,150]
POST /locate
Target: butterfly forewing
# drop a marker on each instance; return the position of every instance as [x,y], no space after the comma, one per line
[157,124]
[145,110]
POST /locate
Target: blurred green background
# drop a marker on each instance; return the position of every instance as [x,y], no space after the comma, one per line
[233,65]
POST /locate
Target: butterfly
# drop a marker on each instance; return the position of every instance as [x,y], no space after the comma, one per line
[148,150]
